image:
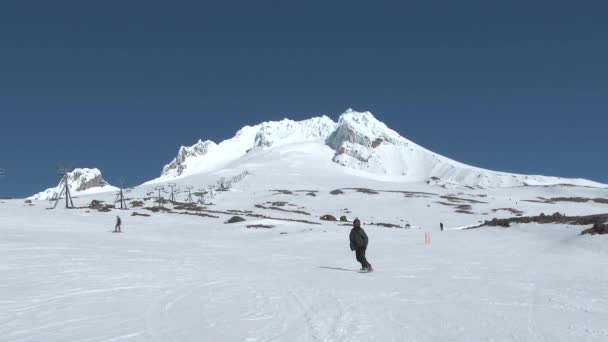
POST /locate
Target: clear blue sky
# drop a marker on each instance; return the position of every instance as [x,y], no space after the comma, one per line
[518,86]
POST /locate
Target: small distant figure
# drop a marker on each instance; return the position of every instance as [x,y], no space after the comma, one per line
[358,243]
[118,223]
[441,225]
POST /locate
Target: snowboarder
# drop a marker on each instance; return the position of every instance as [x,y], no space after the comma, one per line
[441,225]
[358,243]
[118,223]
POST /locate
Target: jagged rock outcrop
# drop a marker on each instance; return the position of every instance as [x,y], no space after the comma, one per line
[79,180]
[177,165]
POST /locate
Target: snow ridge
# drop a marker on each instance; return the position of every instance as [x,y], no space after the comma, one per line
[359,142]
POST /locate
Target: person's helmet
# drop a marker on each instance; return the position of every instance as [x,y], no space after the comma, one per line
[356,223]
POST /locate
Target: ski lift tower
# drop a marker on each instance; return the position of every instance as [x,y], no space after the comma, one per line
[63,173]
[201,195]
[189,200]
[160,199]
[120,196]
[172,194]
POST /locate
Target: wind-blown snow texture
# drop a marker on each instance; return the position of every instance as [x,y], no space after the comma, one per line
[359,142]
[81,181]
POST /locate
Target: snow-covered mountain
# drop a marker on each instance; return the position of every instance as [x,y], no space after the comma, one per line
[81,181]
[359,142]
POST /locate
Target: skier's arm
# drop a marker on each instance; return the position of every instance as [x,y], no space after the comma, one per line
[365,239]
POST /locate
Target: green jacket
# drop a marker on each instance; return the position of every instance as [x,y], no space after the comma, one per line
[358,239]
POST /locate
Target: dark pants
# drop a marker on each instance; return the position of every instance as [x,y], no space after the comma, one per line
[360,253]
[117,228]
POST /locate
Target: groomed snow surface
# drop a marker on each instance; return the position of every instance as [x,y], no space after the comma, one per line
[168,277]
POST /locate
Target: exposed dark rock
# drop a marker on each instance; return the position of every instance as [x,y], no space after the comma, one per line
[138,214]
[343,219]
[337,192]
[158,209]
[199,214]
[328,218]
[259,206]
[188,206]
[283,192]
[136,204]
[386,225]
[455,199]
[511,210]
[544,219]
[235,219]
[598,228]
[95,204]
[99,206]
[365,191]
[377,142]
[260,226]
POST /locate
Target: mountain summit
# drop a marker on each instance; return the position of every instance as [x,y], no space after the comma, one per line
[358,141]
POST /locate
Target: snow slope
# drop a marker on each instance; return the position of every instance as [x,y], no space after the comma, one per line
[358,142]
[82,181]
[182,274]
[174,277]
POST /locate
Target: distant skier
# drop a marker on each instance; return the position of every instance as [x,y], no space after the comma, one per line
[358,243]
[441,225]
[118,223]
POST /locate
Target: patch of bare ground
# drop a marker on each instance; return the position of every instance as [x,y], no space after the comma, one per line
[240,211]
[544,219]
[363,191]
[306,191]
[543,201]
[198,214]
[158,209]
[246,213]
[259,206]
[311,194]
[416,194]
[266,226]
[579,200]
[386,225]
[511,210]
[459,208]
[283,192]
[554,200]
[137,204]
[597,228]
[138,214]
[99,206]
[455,199]
[188,206]
[281,219]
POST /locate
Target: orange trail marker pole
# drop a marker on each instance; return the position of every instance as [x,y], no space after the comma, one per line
[427,238]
